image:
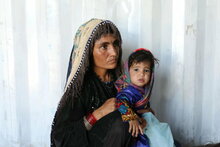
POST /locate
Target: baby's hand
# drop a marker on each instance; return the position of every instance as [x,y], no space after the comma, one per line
[143,123]
[135,128]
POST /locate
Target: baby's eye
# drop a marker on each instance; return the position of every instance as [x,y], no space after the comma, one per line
[135,69]
[147,70]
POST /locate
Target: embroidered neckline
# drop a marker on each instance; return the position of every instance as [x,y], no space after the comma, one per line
[105,82]
[140,89]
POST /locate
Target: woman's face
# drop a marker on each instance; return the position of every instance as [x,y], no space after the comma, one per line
[106,52]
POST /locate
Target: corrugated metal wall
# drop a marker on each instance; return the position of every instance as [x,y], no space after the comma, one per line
[36,39]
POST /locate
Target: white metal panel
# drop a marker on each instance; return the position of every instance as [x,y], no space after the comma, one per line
[36,38]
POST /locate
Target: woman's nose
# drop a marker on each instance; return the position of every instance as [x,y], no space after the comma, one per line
[112,50]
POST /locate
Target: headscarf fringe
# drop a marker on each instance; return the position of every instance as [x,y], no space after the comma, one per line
[73,90]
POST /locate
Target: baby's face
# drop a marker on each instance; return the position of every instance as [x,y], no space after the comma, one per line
[140,73]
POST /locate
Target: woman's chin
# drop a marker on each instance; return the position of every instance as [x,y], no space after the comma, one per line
[112,66]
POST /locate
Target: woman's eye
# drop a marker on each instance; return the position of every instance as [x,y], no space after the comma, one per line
[116,44]
[104,47]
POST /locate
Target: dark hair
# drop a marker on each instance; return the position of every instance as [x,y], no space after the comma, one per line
[102,29]
[142,56]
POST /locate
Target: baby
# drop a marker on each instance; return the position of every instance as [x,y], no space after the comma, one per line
[134,91]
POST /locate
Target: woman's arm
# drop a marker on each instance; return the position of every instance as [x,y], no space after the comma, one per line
[71,125]
[106,108]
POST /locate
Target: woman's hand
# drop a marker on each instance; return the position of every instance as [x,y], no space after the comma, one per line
[106,108]
[135,128]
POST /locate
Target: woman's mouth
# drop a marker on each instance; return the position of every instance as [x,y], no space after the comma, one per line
[112,61]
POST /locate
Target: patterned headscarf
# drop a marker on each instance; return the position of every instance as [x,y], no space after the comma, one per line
[79,61]
[125,80]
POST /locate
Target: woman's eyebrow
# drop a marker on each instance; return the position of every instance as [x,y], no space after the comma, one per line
[103,43]
[107,42]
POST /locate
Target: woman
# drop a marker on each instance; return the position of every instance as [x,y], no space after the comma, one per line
[86,115]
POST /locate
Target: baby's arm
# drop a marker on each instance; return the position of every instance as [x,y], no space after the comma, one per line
[129,115]
[122,104]
[126,112]
[146,110]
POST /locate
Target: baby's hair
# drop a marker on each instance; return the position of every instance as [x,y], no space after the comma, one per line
[142,55]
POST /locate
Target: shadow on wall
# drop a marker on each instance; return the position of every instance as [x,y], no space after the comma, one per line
[210,145]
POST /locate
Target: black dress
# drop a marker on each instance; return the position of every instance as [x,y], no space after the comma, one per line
[110,131]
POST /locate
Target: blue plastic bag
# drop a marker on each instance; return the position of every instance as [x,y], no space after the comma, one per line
[159,134]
